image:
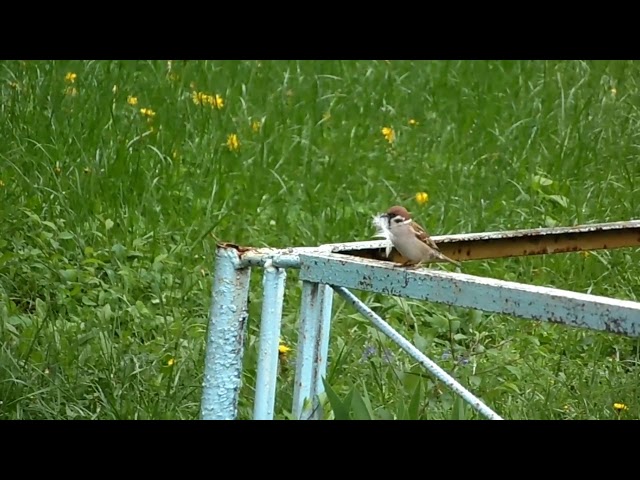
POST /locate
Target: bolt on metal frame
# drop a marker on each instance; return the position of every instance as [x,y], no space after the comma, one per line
[362,265]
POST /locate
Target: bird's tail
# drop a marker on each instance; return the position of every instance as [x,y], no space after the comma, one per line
[444,257]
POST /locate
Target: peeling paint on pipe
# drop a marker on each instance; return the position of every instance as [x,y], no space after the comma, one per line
[225,337]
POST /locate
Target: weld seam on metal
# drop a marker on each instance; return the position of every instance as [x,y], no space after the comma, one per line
[417,355]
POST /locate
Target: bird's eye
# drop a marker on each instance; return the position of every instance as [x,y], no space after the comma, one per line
[397,220]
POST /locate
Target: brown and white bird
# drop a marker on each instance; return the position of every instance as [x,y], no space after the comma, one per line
[409,238]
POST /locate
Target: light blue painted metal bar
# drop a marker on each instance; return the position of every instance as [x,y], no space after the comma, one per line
[313,341]
[225,337]
[416,354]
[488,294]
[322,352]
[267,370]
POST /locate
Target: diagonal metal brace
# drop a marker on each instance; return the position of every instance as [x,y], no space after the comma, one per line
[417,355]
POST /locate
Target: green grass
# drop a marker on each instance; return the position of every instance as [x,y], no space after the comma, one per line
[107,232]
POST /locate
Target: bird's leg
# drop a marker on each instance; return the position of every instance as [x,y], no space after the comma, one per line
[410,264]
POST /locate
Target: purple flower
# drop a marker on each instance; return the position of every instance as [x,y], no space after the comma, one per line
[368,352]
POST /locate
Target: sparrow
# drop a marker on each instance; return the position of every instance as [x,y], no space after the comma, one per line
[409,238]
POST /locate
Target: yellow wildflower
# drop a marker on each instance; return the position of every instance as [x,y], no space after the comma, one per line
[389,134]
[1,184]
[422,197]
[131,100]
[71,91]
[614,91]
[232,142]
[413,122]
[283,349]
[70,77]
[199,98]
[218,102]
[255,125]
[170,362]
[147,112]
[619,407]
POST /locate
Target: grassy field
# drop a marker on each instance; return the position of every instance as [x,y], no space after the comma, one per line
[116,179]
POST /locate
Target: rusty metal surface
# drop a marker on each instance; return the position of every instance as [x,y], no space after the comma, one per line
[468,246]
[475,246]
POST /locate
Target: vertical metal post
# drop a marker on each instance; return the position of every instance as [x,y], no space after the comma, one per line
[313,345]
[323,352]
[225,337]
[273,286]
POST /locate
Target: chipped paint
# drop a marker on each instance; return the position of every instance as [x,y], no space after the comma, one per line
[469,246]
[225,337]
[488,294]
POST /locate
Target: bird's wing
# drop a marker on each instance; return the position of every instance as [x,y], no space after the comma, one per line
[423,236]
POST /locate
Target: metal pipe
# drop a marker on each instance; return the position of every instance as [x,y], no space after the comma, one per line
[313,341]
[225,337]
[322,351]
[267,370]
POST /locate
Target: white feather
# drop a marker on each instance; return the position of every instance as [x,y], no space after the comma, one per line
[382,231]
